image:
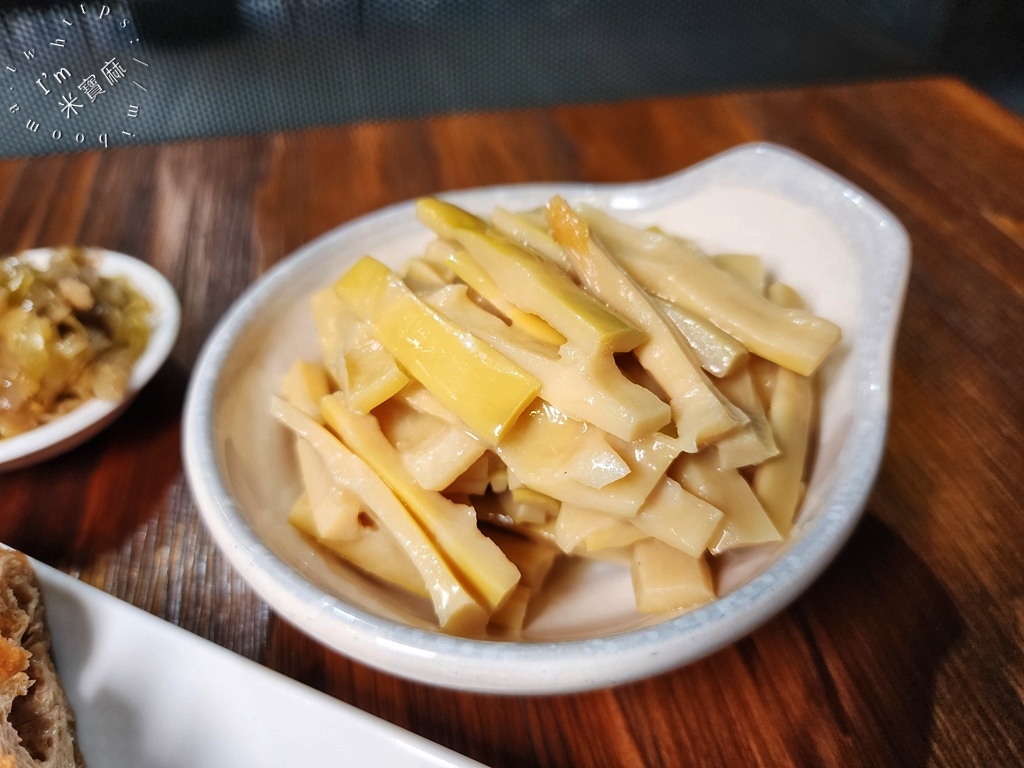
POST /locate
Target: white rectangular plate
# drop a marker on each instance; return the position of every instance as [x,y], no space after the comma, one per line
[147,693]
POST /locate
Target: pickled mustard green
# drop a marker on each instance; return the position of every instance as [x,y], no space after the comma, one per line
[67,335]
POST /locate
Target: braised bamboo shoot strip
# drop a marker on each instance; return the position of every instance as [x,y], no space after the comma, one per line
[330,317]
[744,267]
[304,385]
[544,437]
[753,442]
[448,360]
[334,508]
[525,505]
[743,447]
[362,367]
[700,413]
[678,518]
[794,339]
[620,535]
[424,273]
[476,560]
[574,526]
[718,352]
[532,283]
[665,579]
[490,510]
[511,616]
[762,374]
[446,220]
[372,550]
[528,232]
[532,558]
[472,482]
[457,610]
[745,523]
[588,387]
[469,272]
[570,456]
[670,514]
[434,451]
[778,481]
[576,455]
[756,442]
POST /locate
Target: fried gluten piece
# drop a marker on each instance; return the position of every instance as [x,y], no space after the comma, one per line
[37,725]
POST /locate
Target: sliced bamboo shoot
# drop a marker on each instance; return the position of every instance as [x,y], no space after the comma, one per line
[794,339]
[700,413]
[468,271]
[678,518]
[532,558]
[457,610]
[618,536]
[665,579]
[373,550]
[330,316]
[511,616]
[484,388]
[745,523]
[362,367]
[525,505]
[304,385]
[544,439]
[534,284]
[575,525]
[588,387]
[743,266]
[778,481]
[718,352]
[528,232]
[472,482]
[475,558]
[424,273]
[335,508]
[755,442]
[446,219]
[434,451]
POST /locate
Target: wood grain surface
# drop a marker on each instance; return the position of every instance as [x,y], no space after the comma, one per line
[909,650]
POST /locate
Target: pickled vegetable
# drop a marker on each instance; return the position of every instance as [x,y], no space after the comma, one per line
[443,357]
[702,415]
[543,385]
[793,338]
[67,335]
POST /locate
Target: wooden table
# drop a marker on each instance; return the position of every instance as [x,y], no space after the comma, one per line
[909,650]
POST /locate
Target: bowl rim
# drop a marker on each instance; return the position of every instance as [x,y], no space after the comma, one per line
[78,425]
[469,664]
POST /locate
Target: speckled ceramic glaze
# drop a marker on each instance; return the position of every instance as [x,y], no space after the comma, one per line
[845,253]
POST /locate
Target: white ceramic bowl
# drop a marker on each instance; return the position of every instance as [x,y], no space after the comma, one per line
[83,422]
[833,243]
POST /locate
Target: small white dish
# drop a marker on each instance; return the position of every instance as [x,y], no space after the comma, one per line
[77,426]
[839,248]
[146,693]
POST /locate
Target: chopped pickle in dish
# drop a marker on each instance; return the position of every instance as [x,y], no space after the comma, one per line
[542,386]
[67,335]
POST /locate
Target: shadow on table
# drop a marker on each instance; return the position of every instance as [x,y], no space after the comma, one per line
[890,622]
[847,676]
[98,494]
